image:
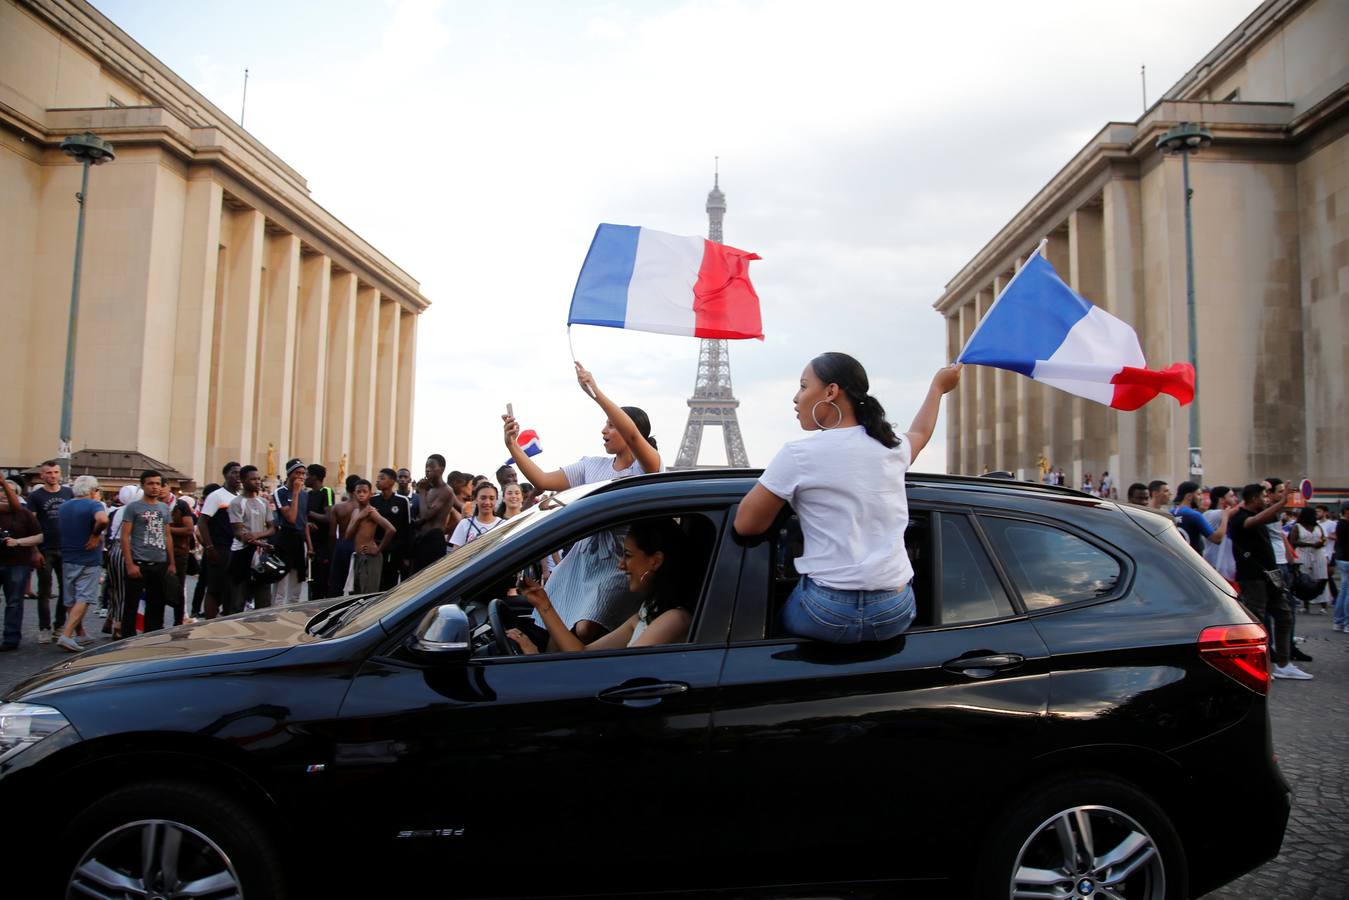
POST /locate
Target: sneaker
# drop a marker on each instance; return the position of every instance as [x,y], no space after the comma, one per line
[44,636]
[103,613]
[1293,672]
[1336,627]
[84,640]
[70,644]
[1298,656]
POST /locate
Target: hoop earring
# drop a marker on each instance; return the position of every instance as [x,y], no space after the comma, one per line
[642,580]
[816,419]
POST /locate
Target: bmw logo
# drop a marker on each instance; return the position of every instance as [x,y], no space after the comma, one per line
[1086,887]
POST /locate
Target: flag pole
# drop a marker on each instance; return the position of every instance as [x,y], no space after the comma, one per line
[569,345]
[1038,251]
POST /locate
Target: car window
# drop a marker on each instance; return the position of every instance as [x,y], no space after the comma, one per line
[970,589]
[1049,566]
[583,581]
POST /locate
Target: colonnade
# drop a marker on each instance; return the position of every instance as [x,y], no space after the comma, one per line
[284,346]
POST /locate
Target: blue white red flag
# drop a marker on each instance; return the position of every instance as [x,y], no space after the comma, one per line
[528,442]
[647,280]
[1040,327]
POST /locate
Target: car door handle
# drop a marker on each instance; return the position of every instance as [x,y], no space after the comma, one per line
[984,666]
[639,695]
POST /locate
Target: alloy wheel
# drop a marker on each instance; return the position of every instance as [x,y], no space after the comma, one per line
[155,859]
[1089,853]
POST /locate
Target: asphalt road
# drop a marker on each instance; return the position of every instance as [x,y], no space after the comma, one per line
[1311,734]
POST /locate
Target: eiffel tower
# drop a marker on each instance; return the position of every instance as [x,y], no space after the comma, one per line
[713,402]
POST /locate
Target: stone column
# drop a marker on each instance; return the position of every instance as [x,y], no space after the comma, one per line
[1092,422]
[191,408]
[1122,238]
[276,342]
[365,385]
[236,359]
[953,433]
[341,374]
[969,436]
[1030,426]
[386,392]
[1004,399]
[1058,405]
[311,360]
[985,408]
[407,369]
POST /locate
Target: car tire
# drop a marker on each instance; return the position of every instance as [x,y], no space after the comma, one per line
[1136,849]
[198,833]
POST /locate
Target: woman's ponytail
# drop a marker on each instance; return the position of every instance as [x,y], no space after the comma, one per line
[846,372]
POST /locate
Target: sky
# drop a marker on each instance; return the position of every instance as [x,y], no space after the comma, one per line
[868,150]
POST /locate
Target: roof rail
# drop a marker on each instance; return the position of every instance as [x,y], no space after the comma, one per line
[991,480]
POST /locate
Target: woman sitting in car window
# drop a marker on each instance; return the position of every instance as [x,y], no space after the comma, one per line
[654,556]
[847,488]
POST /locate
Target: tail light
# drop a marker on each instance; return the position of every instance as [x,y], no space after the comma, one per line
[1240,652]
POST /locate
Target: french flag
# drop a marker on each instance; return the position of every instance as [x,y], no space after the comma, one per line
[1040,327]
[647,280]
[529,442]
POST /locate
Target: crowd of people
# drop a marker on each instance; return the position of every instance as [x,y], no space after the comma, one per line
[131,556]
[252,546]
[1278,557]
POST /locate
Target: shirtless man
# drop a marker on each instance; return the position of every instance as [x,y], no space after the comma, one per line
[436,504]
[339,519]
[362,524]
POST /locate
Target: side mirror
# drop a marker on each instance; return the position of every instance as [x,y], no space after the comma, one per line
[443,635]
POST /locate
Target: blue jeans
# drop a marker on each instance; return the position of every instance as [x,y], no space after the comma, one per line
[1342,598]
[846,617]
[14,581]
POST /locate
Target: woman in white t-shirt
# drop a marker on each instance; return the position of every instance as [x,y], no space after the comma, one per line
[483,520]
[846,486]
[587,589]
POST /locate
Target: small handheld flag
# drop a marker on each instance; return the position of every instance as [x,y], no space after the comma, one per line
[528,441]
[648,280]
[1040,327]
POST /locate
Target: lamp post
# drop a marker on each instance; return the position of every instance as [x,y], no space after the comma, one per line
[90,150]
[1184,139]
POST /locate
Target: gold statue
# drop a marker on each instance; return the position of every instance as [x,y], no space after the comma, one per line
[1043,464]
[271,461]
[342,470]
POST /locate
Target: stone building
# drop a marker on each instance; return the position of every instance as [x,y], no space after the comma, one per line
[222,311]
[1271,253]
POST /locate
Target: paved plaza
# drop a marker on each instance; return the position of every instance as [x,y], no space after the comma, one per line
[1311,732]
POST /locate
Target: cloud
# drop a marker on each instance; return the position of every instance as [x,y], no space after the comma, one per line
[868,151]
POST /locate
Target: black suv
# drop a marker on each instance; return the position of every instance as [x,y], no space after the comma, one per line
[1078,711]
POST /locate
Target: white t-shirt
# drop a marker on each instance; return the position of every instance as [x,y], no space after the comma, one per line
[217,500]
[1220,555]
[848,491]
[469,529]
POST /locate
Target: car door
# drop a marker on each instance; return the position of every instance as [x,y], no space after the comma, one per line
[872,761]
[541,774]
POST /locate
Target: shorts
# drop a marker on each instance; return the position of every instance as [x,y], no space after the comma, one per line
[82,583]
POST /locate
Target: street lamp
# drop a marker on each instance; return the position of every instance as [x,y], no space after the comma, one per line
[90,150]
[1184,139]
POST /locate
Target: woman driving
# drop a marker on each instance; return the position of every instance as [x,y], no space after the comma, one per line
[654,555]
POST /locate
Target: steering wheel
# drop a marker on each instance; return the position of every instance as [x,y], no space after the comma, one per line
[505,646]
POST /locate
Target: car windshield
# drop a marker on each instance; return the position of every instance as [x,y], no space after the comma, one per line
[364,614]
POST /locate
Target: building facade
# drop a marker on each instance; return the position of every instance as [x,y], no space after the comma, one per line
[224,315]
[1271,255]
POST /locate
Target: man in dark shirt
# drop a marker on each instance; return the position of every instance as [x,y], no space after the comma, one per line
[1255,563]
[216,534]
[320,501]
[22,533]
[292,532]
[397,509]
[1342,565]
[45,503]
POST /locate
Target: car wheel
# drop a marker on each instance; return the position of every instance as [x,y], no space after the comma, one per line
[169,840]
[1082,839]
